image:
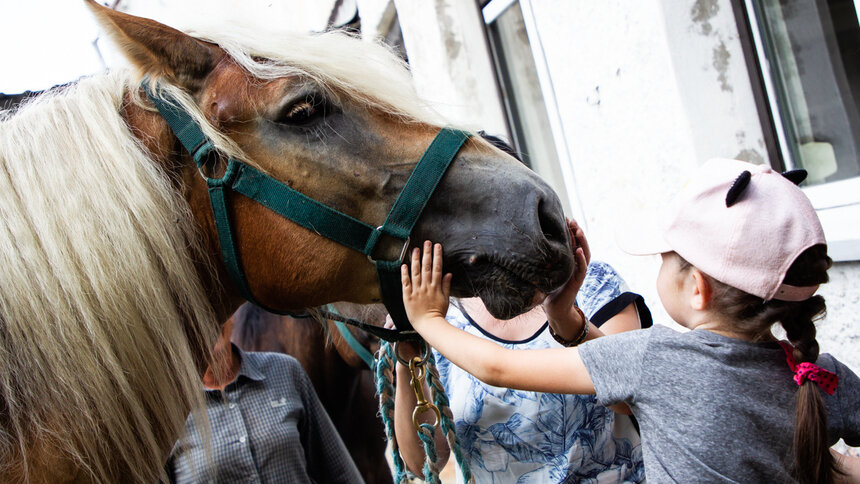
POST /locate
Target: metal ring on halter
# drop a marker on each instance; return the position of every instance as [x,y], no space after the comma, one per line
[425,354]
[403,250]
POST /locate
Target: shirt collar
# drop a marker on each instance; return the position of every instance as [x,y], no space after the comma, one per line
[248,367]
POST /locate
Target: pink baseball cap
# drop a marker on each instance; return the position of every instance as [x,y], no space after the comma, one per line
[742,224]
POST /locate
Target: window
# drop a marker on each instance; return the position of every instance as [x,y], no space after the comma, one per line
[527,92]
[808,63]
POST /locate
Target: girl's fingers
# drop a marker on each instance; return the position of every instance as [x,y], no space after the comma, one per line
[404,279]
[427,263]
[577,238]
[583,242]
[437,264]
[446,284]
[416,266]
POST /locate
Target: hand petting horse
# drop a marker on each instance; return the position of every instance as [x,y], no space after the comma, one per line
[122,253]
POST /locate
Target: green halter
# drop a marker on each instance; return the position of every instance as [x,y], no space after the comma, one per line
[309,213]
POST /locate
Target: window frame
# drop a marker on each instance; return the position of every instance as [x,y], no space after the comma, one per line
[490,11]
[837,203]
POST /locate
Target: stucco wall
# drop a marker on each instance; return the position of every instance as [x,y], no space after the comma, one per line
[450,61]
[628,133]
[649,90]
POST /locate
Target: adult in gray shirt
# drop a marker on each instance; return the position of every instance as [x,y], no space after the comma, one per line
[267,425]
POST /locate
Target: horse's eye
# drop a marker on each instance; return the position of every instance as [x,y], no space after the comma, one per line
[303,112]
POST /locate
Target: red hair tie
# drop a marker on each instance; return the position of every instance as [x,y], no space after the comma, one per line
[809,371]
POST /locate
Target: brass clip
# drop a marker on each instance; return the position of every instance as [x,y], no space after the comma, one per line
[416,368]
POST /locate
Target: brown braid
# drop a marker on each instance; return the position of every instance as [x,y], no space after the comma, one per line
[751,315]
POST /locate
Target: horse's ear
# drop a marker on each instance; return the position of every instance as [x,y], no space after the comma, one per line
[159,50]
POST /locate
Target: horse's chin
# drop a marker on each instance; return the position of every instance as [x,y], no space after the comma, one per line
[505,293]
[507,307]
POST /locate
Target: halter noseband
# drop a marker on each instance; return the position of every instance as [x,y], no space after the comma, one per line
[313,215]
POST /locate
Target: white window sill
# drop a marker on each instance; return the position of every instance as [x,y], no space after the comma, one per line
[838,207]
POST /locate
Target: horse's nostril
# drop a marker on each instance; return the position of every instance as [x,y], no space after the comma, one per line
[551,224]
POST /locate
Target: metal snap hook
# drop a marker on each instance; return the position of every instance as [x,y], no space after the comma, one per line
[419,373]
[419,409]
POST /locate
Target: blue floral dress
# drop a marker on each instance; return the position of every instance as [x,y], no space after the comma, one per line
[527,437]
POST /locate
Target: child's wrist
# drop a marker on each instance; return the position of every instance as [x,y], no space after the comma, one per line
[426,319]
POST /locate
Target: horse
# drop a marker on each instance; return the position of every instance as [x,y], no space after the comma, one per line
[341,378]
[114,285]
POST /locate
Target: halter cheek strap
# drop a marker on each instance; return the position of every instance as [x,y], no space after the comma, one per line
[309,213]
[827,380]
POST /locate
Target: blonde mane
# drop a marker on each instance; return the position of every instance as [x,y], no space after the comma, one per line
[101,307]
[100,304]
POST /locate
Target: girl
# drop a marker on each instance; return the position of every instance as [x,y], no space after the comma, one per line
[742,250]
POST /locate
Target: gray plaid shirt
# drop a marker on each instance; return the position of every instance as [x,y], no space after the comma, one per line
[267,427]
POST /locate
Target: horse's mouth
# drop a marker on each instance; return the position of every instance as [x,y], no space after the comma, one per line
[507,288]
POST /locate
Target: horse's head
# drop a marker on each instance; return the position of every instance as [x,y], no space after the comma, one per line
[335,119]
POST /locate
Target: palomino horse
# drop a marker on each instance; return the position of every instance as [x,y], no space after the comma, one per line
[113,282]
[342,380]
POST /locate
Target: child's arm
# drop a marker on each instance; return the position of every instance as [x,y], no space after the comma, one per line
[425,296]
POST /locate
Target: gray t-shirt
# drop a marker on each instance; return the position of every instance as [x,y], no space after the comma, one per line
[712,408]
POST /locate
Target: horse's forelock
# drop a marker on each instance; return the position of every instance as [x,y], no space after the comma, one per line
[367,71]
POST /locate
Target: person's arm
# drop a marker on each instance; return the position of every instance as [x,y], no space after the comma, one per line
[328,459]
[425,296]
[626,320]
[411,447]
[564,319]
[848,466]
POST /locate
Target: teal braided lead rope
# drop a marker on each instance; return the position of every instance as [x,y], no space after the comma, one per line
[426,433]
[384,375]
[385,387]
[446,425]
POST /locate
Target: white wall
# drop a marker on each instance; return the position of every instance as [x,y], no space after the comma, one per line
[648,90]
[271,14]
[450,61]
[628,132]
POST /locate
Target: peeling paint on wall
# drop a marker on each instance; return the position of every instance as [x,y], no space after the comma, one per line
[594,99]
[721,64]
[452,45]
[750,155]
[702,12]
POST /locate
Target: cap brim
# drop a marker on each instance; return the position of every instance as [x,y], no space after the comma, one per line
[642,234]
